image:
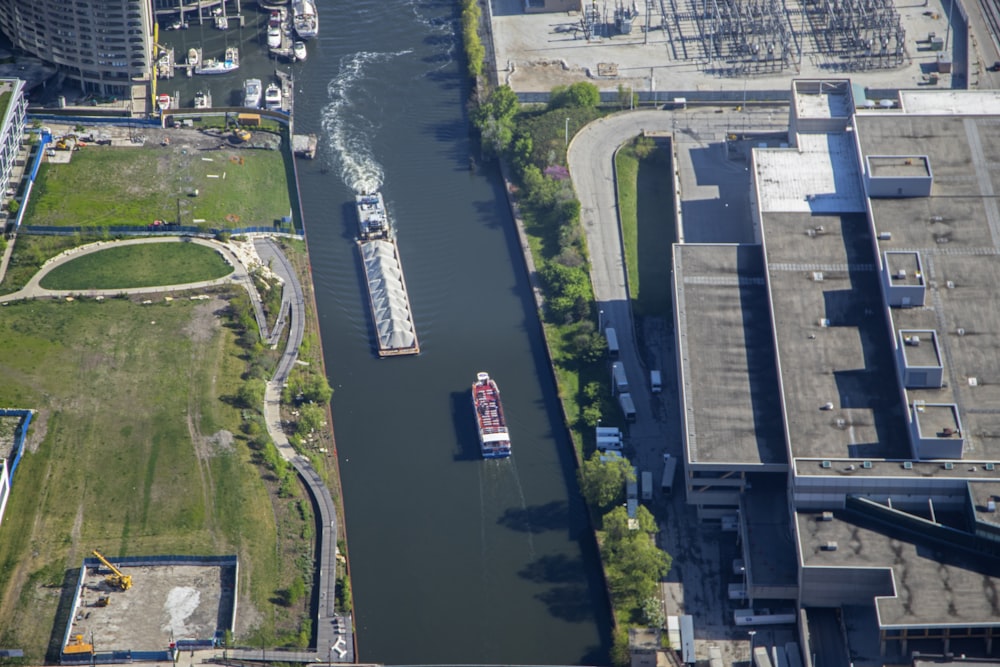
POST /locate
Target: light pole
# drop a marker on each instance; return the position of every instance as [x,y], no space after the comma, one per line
[567,131]
[751,633]
[600,320]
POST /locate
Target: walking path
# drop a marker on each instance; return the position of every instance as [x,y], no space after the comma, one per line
[334,632]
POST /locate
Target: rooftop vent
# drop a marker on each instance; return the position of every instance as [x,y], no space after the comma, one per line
[885,236]
[817,276]
[826,516]
[960,331]
[919,405]
[973,382]
[991,505]
[907,465]
[912,340]
[826,406]
[867,465]
[900,275]
[990,466]
[950,284]
[829,546]
[948,432]
[949,466]
[823,322]
[825,464]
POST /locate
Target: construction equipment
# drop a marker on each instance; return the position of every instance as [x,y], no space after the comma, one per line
[102,601]
[116,579]
[77,645]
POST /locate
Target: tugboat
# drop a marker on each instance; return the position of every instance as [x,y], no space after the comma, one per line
[494,440]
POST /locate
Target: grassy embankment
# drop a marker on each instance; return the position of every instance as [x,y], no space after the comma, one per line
[149,437]
[105,186]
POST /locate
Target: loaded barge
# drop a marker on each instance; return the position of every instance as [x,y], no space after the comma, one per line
[387,297]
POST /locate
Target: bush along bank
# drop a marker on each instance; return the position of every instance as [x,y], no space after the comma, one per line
[533,143]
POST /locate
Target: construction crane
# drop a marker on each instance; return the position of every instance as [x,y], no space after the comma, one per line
[116,579]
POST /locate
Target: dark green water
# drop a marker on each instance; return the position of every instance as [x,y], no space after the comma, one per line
[454,559]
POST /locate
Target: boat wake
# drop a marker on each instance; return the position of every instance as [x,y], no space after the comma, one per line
[499,490]
[346,130]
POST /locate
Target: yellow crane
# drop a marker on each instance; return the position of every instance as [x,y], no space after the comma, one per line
[116,579]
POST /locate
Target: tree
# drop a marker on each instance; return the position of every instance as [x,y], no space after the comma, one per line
[495,119]
[312,417]
[251,394]
[582,94]
[603,484]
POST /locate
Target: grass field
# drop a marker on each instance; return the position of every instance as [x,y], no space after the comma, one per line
[136,449]
[141,265]
[105,186]
[646,205]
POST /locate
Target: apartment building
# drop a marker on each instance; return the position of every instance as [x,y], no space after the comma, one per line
[106,45]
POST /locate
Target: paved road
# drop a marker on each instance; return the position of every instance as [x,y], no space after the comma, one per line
[711,180]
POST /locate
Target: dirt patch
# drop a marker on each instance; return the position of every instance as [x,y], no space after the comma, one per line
[36,433]
[204,322]
[221,440]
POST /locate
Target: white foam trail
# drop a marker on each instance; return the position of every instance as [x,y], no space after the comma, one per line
[347,130]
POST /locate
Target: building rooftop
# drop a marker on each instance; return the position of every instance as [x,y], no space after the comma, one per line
[951,102]
[924,586]
[984,471]
[985,496]
[820,175]
[769,545]
[822,98]
[956,232]
[728,362]
[839,385]
[899,166]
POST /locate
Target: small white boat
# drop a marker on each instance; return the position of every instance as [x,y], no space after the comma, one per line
[201,100]
[163,101]
[178,25]
[273,37]
[251,93]
[304,19]
[222,23]
[193,57]
[299,50]
[272,97]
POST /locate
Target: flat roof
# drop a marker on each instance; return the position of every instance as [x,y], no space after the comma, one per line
[981,493]
[899,166]
[769,544]
[951,102]
[822,98]
[167,602]
[820,175]
[956,230]
[840,390]
[904,267]
[929,587]
[728,361]
[937,420]
[920,348]
[836,468]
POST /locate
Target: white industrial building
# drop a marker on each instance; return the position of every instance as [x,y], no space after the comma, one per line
[837,377]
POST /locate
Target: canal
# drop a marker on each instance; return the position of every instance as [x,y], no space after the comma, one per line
[454,559]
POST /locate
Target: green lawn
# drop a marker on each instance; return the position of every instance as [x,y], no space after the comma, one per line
[136,449]
[649,229]
[142,265]
[104,186]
